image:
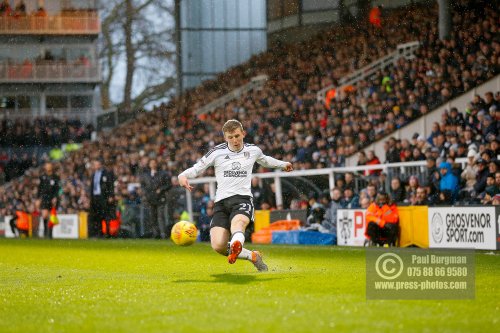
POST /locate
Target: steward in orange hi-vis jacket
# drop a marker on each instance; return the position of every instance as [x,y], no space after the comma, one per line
[382,221]
[375,17]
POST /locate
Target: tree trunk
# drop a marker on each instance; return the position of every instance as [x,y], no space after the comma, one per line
[105,98]
[130,56]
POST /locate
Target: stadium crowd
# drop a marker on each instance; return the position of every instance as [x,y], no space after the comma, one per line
[25,143]
[42,131]
[288,122]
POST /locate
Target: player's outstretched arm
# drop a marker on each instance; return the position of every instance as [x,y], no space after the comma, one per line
[195,170]
[183,181]
[271,162]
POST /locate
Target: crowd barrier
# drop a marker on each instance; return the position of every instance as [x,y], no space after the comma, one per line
[71,226]
[457,227]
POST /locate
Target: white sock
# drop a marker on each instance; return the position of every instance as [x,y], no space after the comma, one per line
[238,235]
[245,254]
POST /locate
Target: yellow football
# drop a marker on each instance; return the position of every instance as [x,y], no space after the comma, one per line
[184,233]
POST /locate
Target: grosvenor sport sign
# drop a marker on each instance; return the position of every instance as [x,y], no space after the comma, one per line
[462,227]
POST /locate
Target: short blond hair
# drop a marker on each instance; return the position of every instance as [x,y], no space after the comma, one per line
[231,126]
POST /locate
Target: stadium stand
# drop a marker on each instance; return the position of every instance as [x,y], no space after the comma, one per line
[25,143]
[287,121]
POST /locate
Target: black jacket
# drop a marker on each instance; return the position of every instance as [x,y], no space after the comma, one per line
[154,188]
[48,187]
[480,185]
[107,183]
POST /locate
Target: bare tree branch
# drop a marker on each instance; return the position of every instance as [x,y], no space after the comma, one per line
[138,35]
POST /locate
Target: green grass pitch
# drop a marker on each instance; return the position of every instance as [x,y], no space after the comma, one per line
[154,286]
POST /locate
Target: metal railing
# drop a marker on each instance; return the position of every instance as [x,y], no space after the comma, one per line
[255,82]
[113,117]
[402,170]
[56,72]
[60,25]
[406,50]
[86,115]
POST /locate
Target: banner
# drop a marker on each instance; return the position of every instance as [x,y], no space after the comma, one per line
[351,225]
[498,226]
[262,219]
[463,227]
[2,226]
[68,227]
[413,226]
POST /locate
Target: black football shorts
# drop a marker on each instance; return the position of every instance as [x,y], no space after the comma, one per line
[227,208]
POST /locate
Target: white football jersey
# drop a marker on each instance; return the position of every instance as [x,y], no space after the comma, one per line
[233,170]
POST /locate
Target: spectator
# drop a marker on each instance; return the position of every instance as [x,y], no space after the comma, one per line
[364,202]
[155,184]
[392,153]
[257,192]
[411,190]
[330,219]
[491,190]
[102,204]
[493,166]
[435,131]
[455,118]
[421,197]
[20,9]
[417,154]
[469,174]
[204,221]
[481,175]
[449,181]
[269,198]
[372,159]
[349,180]
[383,183]
[397,191]
[41,12]
[340,181]
[444,198]
[5,8]
[432,175]
[371,192]
[362,159]
[350,200]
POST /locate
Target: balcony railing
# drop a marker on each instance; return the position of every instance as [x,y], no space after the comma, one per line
[50,25]
[86,115]
[49,73]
